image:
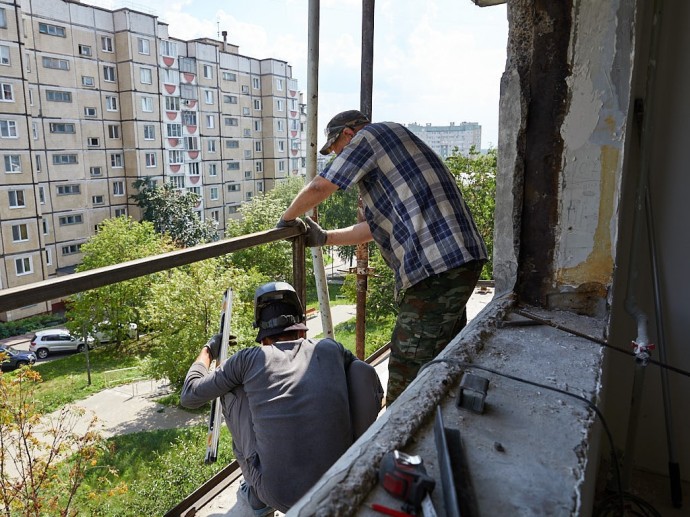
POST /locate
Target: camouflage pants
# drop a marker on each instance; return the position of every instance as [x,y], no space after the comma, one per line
[430,314]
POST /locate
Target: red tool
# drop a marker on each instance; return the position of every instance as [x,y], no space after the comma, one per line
[389,511]
[405,478]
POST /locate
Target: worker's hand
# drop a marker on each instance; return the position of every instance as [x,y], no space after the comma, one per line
[290,223]
[316,236]
[213,344]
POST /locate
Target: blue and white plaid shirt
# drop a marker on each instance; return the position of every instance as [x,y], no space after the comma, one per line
[413,206]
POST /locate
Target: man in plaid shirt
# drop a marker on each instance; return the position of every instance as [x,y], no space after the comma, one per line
[415,213]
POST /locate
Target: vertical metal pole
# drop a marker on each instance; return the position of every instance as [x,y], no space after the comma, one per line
[299,277]
[366,86]
[312,134]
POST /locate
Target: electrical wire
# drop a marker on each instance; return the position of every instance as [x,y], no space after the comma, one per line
[617,501]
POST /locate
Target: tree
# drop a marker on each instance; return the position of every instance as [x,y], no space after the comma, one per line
[184,312]
[118,240]
[173,213]
[476,177]
[42,461]
[380,289]
[340,211]
[262,213]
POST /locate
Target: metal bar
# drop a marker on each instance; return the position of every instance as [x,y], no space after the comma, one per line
[28,294]
[299,276]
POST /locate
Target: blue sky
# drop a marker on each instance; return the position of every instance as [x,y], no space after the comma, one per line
[435,61]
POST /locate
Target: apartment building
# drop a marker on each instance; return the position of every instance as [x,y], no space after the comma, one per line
[444,139]
[93,99]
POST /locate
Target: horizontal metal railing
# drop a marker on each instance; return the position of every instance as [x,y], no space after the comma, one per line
[29,294]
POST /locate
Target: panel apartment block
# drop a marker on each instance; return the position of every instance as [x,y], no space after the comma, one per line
[92,100]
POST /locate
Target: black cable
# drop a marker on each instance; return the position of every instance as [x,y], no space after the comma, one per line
[619,495]
[601,342]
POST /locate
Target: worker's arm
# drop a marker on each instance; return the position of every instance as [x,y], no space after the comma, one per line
[355,234]
[311,195]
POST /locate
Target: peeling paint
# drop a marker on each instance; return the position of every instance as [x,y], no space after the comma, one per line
[598,266]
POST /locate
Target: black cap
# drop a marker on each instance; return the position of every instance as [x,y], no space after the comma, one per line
[350,118]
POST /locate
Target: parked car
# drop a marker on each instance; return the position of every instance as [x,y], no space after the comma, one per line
[15,358]
[105,333]
[46,342]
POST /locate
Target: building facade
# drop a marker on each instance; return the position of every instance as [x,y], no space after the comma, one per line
[92,99]
[444,139]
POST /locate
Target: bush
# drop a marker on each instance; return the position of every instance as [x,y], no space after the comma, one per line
[26,325]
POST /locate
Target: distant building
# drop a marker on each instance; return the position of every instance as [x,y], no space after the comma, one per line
[92,99]
[444,139]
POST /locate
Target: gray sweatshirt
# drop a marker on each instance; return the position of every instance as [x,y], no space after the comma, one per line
[297,397]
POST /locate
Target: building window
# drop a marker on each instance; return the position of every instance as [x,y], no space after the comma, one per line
[232,144]
[8,129]
[147,104]
[230,99]
[193,168]
[247,132]
[84,50]
[259,167]
[90,112]
[257,104]
[53,62]
[229,76]
[20,232]
[6,92]
[49,257]
[235,187]
[215,215]
[62,127]
[195,190]
[120,212]
[174,130]
[245,88]
[281,146]
[279,85]
[247,154]
[281,125]
[149,132]
[3,18]
[96,171]
[109,74]
[16,198]
[114,131]
[257,125]
[68,190]
[210,121]
[144,46]
[38,163]
[231,121]
[23,266]
[118,188]
[258,147]
[150,159]
[13,164]
[69,220]
[208,72]
[168,48]
[191,143]
[211,146]
[116,160]
[71,249]
[246,111]
[106,44]
[146,76]
[98,200]
[92,141]
[189,118]
[34,130]
[65,159]
[51,30]
[256,84]
[260,186]
[177,181]
[208,96]
[247,175]
[212,169]
[87,80]
[4,55]
[214,194]
[247,196]
[233,166]
[188,64]
[280,105]
[172,103]
[175,157]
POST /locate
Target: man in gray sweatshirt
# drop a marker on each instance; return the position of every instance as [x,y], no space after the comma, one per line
[293,405]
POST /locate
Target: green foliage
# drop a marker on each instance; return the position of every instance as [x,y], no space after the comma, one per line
[173,213]
[262,213]
[377,334]
[118,240]
[26,325]
[340,211]
[380,289]
[476,177]
[149,473]
[42,464]
[182,313]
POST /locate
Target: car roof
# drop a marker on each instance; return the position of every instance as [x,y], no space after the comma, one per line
[51,331]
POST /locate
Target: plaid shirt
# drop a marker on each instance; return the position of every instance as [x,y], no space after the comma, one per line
[413,206]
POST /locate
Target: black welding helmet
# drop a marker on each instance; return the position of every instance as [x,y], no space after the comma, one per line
[277,309]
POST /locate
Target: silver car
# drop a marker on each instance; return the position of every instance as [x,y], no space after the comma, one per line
[46,342]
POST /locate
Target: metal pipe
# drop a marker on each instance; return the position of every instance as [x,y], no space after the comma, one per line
[641,342]
[365,103]
[312,137]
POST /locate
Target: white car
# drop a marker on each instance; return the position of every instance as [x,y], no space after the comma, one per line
[104,333]
[46,342]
